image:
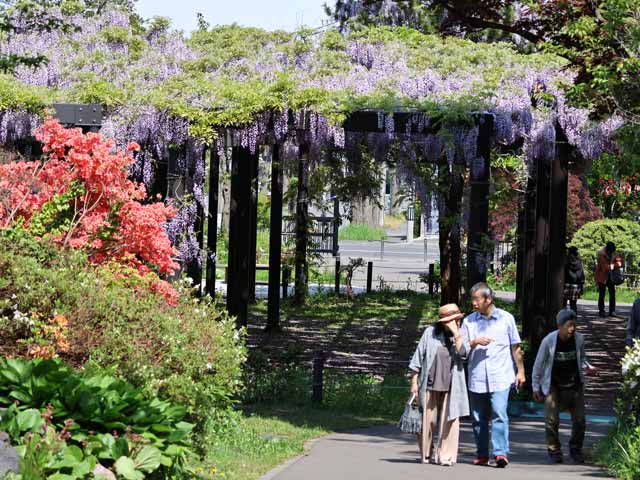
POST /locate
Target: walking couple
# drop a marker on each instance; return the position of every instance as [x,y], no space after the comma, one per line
[488,339]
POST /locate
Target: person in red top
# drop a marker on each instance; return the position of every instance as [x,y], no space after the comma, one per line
[603,278]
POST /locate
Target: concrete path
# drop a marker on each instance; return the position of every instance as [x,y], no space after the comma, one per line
[383,453]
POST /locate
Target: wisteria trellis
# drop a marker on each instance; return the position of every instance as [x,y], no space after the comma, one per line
[156,103]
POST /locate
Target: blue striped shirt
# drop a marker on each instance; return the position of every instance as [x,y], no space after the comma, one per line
[491,367]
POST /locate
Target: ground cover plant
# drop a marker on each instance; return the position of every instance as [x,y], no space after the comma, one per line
[87,419]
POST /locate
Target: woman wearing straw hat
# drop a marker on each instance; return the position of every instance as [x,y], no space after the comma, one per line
[438,381]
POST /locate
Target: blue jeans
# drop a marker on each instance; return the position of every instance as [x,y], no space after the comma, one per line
[491,405]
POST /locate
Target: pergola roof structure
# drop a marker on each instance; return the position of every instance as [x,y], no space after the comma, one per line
[312,90]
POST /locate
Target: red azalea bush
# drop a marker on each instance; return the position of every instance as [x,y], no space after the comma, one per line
[582,208]
[81,196]
[503,217]
[580,205]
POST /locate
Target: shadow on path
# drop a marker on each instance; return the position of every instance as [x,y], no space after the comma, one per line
[383,452]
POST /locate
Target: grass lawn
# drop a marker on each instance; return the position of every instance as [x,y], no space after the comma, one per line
[623,294]
[357,231]
[267,435]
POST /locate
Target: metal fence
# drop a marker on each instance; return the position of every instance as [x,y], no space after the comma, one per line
[323,237]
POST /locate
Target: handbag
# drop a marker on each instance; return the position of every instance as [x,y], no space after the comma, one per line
[411,419]
[617,276]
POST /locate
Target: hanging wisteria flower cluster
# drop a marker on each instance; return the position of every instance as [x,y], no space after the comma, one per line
[250,87]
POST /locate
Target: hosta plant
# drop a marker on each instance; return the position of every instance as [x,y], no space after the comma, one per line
[89,418]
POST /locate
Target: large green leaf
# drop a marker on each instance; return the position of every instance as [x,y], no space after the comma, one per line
[62,476]
[85,467]
[28,419]
[148,459]
[127,469]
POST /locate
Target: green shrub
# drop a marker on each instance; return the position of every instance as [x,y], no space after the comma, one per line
[593,236]
[504,280]
[620,450]
[99,419]
[190,353]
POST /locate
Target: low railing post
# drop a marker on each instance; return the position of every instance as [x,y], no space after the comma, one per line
[286,272]
[369,276]
[431,279]
[337,277]
[318,377]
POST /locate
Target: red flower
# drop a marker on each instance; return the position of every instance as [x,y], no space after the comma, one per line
[109,222]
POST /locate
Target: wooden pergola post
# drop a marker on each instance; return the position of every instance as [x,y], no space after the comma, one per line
[275,242]
[544,243]
[480,174]
[239,238]
[212,221]
[302,226]
[253,230]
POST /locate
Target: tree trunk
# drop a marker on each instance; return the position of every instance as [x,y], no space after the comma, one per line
[366,212]
[383,195]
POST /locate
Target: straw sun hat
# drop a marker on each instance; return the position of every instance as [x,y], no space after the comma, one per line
[449,312]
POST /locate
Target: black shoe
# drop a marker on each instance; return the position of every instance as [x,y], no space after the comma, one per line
[613,314]
[555,455]
[501,461]
[601,315]
[577,456]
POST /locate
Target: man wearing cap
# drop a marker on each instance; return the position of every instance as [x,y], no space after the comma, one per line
[558,379]
[438,381]
[495,346]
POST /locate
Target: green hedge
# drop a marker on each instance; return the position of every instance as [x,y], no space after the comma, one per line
[593,236]
[190,353]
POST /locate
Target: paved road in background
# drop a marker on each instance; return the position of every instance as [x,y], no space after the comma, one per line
[398,263]
[394,250]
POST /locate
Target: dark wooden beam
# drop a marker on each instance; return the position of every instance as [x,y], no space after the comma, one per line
[451,183]
[275,242]
[480,174]
[302,227]
[545,243]
[374,122]
[194,268]
[557,227]
[212,221]
[253,228]
[239,236]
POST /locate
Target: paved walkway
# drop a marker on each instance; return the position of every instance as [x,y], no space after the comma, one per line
[383,453]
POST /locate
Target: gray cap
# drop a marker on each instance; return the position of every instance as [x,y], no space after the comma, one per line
[565,315]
